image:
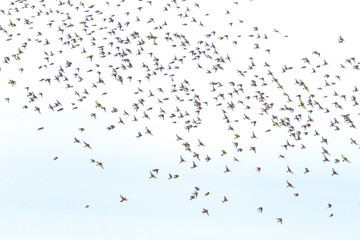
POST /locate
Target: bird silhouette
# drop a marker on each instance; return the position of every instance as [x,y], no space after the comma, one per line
[289,184]
[152,175]
[123,199]
[205,211]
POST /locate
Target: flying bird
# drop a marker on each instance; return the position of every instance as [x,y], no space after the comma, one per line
[152,175]
[205,211]
[289,184]
[123,199]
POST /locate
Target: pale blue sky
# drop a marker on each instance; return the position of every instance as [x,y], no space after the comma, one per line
[45,199]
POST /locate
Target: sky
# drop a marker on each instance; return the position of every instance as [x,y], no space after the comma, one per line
[73,198]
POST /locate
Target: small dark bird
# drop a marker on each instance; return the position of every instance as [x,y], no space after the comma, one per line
[152,175]
[289,184]
[123,199]
[205,211]
[334,172]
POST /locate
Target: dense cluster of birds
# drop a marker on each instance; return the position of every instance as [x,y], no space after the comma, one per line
[146,58]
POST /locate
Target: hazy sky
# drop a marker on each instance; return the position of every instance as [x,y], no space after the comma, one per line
[43,198]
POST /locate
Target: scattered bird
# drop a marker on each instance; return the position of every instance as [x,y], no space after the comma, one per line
[205,211]
[194,165]
[87,145]
[334,172]
[289,170]
[123,198]
[152,175]
[289,184]
[341,40]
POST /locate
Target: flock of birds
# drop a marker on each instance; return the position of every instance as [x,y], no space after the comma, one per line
[135,53]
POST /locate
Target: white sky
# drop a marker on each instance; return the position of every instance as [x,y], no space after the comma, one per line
[45,199]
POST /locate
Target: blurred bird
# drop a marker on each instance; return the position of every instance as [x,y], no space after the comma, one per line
[182,159]
[87,145]
[205,211]
[289,170]
[123,198]
[152,175]
[289,184]
[341,40]
[194,165]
